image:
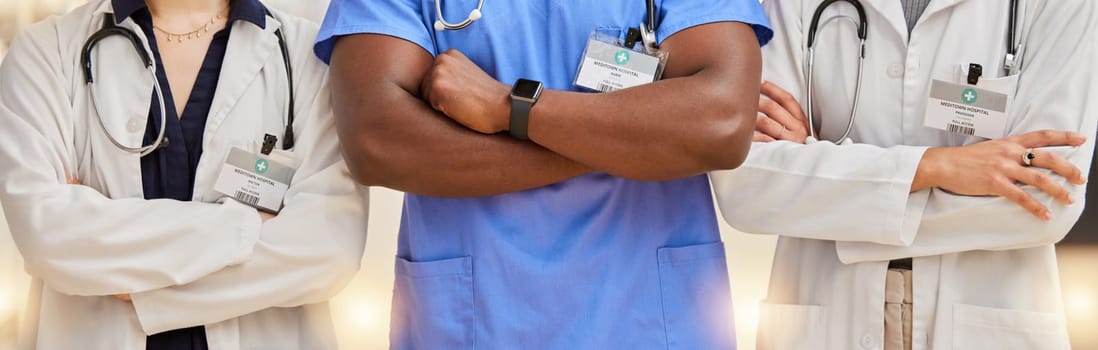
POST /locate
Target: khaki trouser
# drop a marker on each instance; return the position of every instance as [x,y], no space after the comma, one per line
[897,322]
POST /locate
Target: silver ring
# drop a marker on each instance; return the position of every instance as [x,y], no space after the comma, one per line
[1027,158]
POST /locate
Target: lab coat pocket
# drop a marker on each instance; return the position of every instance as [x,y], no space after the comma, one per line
[789,327]
[697,303]
[433,304]
[977,327]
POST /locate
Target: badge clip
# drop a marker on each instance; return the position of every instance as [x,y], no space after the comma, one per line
[975,71]
[631,37]
[268,144]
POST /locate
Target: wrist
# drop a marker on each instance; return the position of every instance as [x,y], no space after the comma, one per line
[930,169]
[523,96]
[501,108]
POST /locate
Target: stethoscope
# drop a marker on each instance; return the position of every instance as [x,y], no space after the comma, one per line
[863,30]
[648,32]
[441,23]
[110,29]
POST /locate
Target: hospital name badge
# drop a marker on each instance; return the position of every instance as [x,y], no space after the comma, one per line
[254,179]
[608,66]
[967,110]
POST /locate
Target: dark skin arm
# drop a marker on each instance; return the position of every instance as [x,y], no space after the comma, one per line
[700,117]
[392,138]
[691,122]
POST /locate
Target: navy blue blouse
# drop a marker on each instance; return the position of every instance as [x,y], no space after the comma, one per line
[170,171]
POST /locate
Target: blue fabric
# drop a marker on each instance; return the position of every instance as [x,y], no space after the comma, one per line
[170,172]
[596,262]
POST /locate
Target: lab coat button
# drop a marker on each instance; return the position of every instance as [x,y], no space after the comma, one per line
[867,341]
[896,70]
[134,125]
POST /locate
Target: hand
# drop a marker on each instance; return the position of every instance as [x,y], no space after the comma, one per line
[456,87]
[72,179]
[123,297]
[265,215]
[995,167]
[780,116]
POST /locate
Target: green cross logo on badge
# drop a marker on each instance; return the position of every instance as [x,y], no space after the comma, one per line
[968,96]
[261,165]
[621,58]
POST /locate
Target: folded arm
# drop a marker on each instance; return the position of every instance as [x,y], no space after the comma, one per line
[77,240]
[307,253]
[857,200]
[392,138]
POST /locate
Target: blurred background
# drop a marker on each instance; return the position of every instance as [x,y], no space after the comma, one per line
[361,312]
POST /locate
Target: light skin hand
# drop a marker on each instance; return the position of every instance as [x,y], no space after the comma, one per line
[265,215]
[458,88]
[994,168]
[780,116]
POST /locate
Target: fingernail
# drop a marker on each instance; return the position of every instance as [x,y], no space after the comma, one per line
[1046,216]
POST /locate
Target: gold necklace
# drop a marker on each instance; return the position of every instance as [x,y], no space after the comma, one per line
[194,34]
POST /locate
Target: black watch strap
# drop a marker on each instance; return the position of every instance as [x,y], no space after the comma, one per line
[520,119]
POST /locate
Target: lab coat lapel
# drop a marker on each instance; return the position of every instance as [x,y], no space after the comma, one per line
[940,5]
[893,13]
[249,50]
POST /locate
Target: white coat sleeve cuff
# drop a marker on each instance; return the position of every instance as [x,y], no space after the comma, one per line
[154,319]
[248,233]
[912,212]
[909,224]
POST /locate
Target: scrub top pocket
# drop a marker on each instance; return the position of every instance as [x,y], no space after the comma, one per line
[433,305]
[697,302]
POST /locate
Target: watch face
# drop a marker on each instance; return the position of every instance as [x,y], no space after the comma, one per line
[526,88]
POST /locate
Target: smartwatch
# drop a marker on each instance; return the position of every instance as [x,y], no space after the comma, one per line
[524,94]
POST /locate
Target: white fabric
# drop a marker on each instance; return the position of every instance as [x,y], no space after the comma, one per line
[985,272]
[208,262]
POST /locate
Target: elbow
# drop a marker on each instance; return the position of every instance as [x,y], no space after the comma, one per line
[1062,222]
[335,275]
[730,137]
[368,159]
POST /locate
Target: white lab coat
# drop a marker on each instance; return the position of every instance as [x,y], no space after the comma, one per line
[985,274]
[209,262]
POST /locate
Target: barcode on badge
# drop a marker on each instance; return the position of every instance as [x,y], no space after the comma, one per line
[961,129]
[246,198]
[606,87]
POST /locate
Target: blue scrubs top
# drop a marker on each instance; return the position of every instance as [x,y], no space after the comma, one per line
[170,171]
[595,262]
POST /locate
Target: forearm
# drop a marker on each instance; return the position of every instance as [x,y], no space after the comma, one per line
[391,137]
[699,118]
[306,255]
[952,224]
[853,193]
[422,152]
[665,130]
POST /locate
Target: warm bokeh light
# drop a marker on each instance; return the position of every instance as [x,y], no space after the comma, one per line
[1080,304]
[7,303]
[361,311]
[364,315]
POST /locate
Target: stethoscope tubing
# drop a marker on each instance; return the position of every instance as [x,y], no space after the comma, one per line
[442,24]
